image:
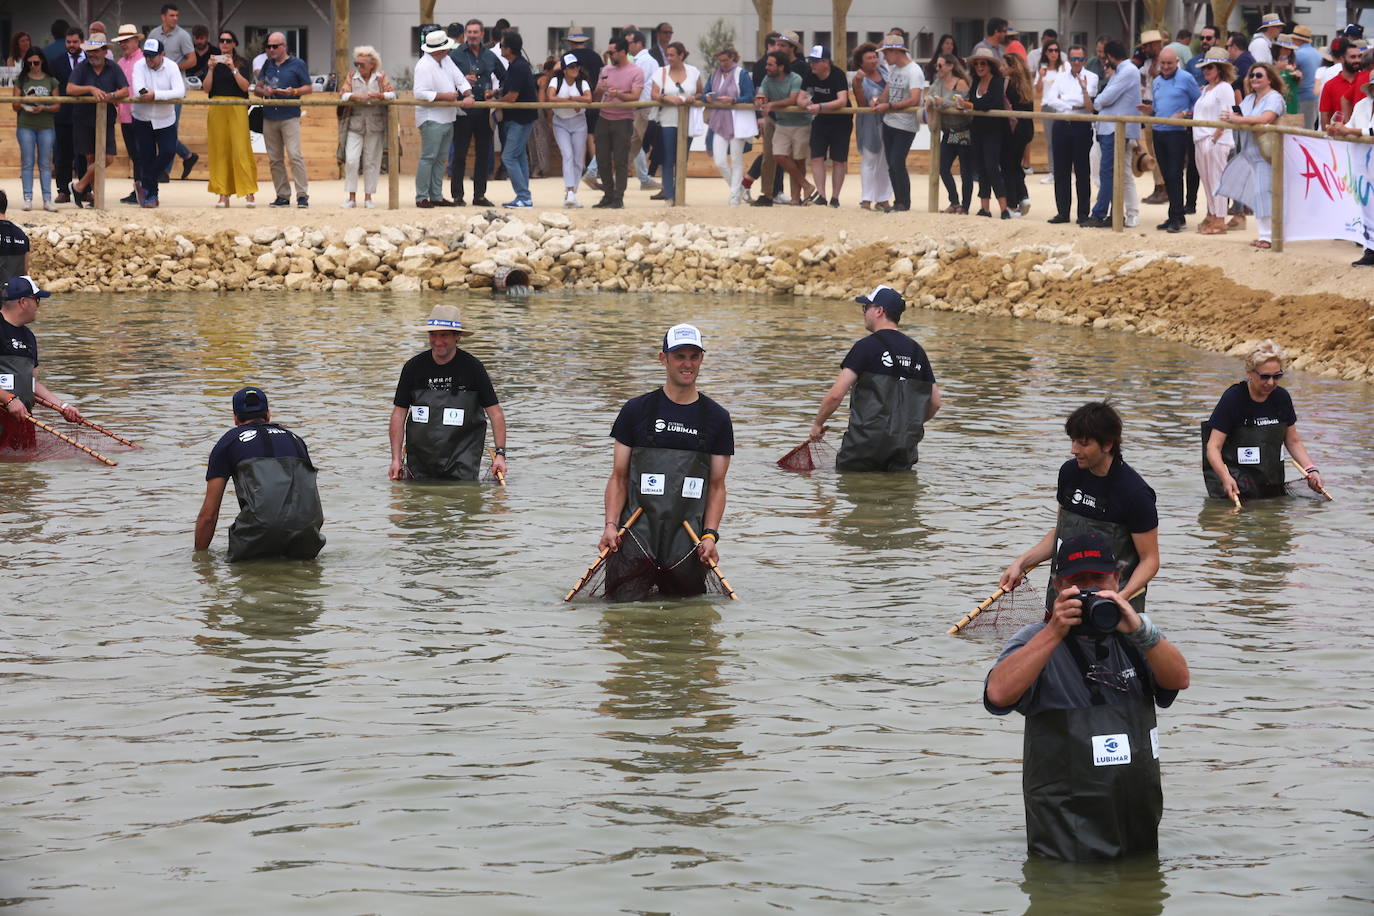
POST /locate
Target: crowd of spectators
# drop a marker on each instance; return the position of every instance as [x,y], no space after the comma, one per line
[800,129]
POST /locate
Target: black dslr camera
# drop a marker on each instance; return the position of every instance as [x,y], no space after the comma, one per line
[1100,615]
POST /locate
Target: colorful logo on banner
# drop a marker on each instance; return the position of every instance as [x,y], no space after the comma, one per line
[1328,190]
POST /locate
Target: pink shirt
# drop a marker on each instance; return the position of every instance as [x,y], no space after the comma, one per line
[126,111]
[628,78]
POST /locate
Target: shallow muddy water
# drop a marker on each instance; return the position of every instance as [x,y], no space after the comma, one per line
[417,716]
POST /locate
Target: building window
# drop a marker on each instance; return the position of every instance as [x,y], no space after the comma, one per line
[297,40]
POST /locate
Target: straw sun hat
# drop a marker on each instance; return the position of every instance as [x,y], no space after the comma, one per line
[445,318]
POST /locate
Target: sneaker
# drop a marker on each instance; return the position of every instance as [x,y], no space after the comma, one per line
[131,199]
[75,194]
[28,204]
[746,196]
[1048,179]
[482,202]
[250,203]
[1023,207]
[985,213]
[348,205]
[816,198]
[303,201]
[280,202]
[187,164]
[782,199]
[588,179]
[835,202]
[1132,221]
[650,185]
[1027,170]
[49,206]
[764,201]
[369,204]
[1095,222]
[518,204]
[149,202]
[1006,214]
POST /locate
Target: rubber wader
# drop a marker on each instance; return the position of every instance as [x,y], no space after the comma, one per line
[445,432]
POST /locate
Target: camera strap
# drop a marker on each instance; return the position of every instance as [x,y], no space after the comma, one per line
[1084,668]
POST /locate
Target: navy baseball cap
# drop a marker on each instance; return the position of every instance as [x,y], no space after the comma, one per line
[152,47]
[886,298]
[23,287]
[250,402]
[1084,553]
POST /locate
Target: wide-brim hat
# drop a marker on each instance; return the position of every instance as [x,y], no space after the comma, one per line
[1270,20]
[1302,33]
[445,318]
[96,42]
[1150,36]
[437,40]
[1143,161]
[579,35]
[791,38]
[1286,41]
[894,41]
[982,54]
[128,30]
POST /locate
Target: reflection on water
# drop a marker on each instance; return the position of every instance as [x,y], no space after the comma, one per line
[417,714]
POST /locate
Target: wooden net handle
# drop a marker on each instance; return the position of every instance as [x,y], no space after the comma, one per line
[70,441]
[601,557]
[84,422]
[714,568]
[987,602]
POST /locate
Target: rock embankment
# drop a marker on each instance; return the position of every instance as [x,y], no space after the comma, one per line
[1146,292]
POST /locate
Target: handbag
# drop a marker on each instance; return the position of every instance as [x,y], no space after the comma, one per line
[255,119]
[657,111]
[696,121]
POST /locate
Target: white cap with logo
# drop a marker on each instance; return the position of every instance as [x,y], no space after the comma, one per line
[682,335]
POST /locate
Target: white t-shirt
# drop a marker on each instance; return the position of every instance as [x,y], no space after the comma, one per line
[902,83]
[568,90]
[165,83]
[668,114]
[1261,50]
[1362,115]
[1209,107]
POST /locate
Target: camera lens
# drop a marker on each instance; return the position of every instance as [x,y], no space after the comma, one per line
[1102,614]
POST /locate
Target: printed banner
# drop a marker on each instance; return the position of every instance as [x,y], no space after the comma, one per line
[1328,190]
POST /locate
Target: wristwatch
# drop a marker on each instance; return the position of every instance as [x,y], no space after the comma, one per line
[499,451]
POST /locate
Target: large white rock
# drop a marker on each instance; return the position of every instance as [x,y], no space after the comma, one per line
[265,235]
[393,235]
[555,220]
[293,235]
[266,261]
[354,235]
[360,260]
[381,246]
[421,251]
[405,283]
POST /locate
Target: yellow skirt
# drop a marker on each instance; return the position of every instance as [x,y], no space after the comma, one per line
[233,170]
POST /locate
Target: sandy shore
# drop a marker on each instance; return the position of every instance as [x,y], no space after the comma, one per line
[1212,291]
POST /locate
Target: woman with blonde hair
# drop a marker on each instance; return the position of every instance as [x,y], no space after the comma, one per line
[946,90]
[1212,146]
[730,84]
[366,124]
[1251,424]
[233,170]
[1249,175]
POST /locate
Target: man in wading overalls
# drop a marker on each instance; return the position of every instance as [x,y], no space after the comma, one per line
[443,402]
[672,450]
[1087,685]
[279,505]
[19,364]
[1099,493]
[894,392]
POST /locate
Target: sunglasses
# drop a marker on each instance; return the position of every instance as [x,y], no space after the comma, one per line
[277,46]
[1257,75]
[35,62]
[1269,376]
[227,41]
[1078,59]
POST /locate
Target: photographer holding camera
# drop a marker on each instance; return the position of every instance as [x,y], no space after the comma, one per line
[1087,680]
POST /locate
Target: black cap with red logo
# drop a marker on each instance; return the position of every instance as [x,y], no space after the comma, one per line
[1084,553]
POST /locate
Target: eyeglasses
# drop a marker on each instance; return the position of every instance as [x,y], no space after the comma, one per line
[277,46]
[1259,75]
[1269,376]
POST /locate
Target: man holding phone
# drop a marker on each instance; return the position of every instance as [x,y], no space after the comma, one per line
[155,81]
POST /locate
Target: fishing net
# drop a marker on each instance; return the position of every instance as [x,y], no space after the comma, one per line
[1297,488]
[810,455]
[20,440]
[633,573]
[1023,605]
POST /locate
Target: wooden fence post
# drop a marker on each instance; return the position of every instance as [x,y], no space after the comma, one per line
[393,157]
[1119,178]
[1276,195]
[684,144]
[102,117]
[933,179]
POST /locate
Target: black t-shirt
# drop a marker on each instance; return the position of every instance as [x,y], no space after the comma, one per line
[520,78]
[464,372]
[654,420]
[202,65]
[1236,408]
[1122,496]
[222,82]
[14,244]
[256,439]
[18,341]
[110,79]
[827,90]
[889,352]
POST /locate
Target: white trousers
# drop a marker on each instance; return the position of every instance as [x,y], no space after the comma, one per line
[571,136]
[729,157]
[363,151]
[1211,162]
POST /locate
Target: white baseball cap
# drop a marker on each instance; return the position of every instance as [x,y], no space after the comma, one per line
[682,335]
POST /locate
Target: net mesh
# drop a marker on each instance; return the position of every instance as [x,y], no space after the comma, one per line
[1296,488]
[20,440]
[633,573]
[810,455]
[1299,489]
[1023,605]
